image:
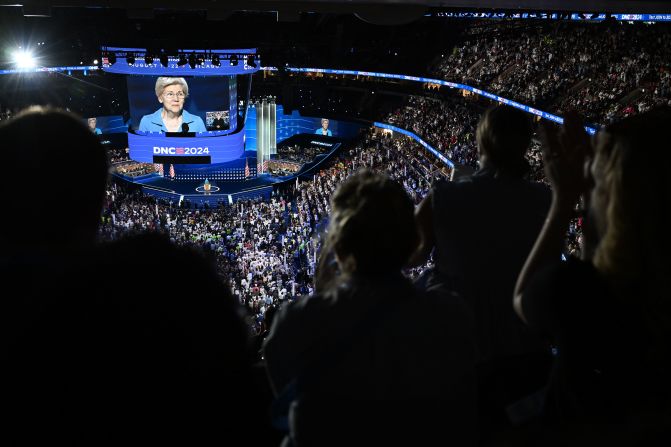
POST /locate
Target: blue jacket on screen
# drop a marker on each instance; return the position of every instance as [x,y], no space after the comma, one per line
[154,122]
[320,131]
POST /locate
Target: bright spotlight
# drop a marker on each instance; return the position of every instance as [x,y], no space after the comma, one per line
[23,59]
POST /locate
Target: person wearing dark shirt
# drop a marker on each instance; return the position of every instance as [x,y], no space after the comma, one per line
[376,361]
[609,313]
[99,347]
[219,123]
[483,227]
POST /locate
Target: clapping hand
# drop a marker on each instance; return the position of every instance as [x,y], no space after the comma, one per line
[565,152]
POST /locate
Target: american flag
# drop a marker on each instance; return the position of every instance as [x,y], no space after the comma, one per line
[262,167]
[247,167]
[172,172]
[159,168]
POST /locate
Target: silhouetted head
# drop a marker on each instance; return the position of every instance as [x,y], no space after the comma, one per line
[53,180]
[503,135]
[372,227]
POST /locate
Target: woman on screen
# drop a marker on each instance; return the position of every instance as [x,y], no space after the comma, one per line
[93,122]
[171,93]
[324,130]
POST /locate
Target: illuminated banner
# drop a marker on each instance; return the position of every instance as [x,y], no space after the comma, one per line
[492,96]
[83,68]
[220,149]
[173,68]
[426,145]
[589,17]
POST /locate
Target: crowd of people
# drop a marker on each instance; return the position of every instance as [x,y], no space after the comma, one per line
[118,154]
[133,168]
[442,351]
[300,154]
[282,167]
[605,71]
[447,125]
[267,249]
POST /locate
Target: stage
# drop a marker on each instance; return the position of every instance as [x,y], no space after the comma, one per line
[183,188]
[188,187]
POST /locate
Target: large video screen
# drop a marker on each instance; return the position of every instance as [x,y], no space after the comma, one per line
[180,104]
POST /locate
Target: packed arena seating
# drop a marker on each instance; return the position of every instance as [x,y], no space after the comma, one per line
[283,167]
[267,250]
[134,169]
[299,154]
[605,71]
[448,126]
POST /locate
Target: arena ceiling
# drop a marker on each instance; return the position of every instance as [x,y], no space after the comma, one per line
[369,10]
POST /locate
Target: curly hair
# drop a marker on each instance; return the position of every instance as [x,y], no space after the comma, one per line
[372,228]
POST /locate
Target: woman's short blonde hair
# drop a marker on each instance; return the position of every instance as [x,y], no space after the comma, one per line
[636,242]
[164,81]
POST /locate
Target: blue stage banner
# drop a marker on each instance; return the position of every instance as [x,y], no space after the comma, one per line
[221,149]
[415,137]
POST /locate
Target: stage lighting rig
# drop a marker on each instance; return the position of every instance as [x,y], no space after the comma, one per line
[112,58]
[233,60]
[250,61]
[182,60]
[215,60]
[163,58]
[192,60]
[200,59]
[148,59]
[130,58]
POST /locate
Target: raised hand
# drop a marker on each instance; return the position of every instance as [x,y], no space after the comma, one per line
[565,151]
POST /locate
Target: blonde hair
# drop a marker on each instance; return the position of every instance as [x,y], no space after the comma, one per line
[164,81]
[636,242]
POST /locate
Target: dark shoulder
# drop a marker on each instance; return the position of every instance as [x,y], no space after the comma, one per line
[305,307]
[563,289]
[443,185]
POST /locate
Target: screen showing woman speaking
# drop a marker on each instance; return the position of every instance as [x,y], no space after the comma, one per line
[164,104]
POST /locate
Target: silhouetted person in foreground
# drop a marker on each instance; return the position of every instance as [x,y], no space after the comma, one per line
[53,185]
[132,342]
[53,182]
[609,313]
[482,228]
[376,362]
